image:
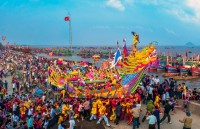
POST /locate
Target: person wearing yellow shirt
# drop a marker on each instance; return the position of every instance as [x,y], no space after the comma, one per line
[128,108]
[107,102]
[184,90]
[114,82]
[156,102]
[94,110]
[99,102]
[102,113]
[60,119]
[65,108]
[62,94]
[38,108]
[23,112]
[113,105]
[123,104]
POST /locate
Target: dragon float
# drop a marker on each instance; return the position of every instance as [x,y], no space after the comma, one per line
[124,79]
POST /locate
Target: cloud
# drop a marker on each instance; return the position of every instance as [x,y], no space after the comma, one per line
[171,32]
[117,4]
[193,5]
[185,10]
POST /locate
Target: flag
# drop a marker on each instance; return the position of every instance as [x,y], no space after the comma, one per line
[118,56]
[124,40]
[186,54]
[117,42]
[67,18]
[125,51]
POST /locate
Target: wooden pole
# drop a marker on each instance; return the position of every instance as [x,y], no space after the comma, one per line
[70,33]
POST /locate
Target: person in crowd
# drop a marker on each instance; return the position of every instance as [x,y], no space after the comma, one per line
[136,114]
[167,109]
[30,122]
[102,114]
[118,112]
[151,121]
[86,106]
[156,113]
[187,120]
[71,122]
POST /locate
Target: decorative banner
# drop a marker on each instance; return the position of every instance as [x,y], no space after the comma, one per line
[131,82]
[57,78]
[137,61]
[105,64]
[133,67]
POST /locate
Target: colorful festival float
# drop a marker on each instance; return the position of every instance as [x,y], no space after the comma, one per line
[115,78]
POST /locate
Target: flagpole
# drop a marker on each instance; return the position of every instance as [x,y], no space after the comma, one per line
[70,33]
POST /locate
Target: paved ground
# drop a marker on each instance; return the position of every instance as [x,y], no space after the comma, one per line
[122,125]
[175,123]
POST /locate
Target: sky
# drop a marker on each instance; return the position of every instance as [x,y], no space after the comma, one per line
[100,22]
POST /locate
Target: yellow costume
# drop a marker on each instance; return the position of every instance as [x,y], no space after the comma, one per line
[38,108]
[65,108]
[23,110]
[60,120]
[123,106]
[62,93]
[102,110]
[128,107]
[94,108]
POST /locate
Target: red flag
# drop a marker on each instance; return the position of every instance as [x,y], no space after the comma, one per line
[125,51]
[67,18]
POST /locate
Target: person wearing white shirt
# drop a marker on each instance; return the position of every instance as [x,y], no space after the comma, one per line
[43,98]
[150,92]
[71,123]
[157,80]
[13,86]
[30,111]
[152,120]
[152,80]
[15,120]
[14,107]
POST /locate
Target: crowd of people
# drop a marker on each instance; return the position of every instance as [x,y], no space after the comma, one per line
[22,108]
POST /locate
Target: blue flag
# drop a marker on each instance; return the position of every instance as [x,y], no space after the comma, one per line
[118,56]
